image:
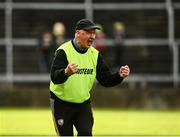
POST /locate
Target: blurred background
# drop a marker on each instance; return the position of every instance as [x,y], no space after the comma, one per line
[145,34]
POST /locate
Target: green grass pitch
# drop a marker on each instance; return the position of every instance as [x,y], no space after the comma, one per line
[28,121]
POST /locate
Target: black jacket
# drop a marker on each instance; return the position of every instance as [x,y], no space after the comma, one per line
[103,73]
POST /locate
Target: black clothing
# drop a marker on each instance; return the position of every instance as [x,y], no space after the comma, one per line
[103,74]
[67,114]
[80,115]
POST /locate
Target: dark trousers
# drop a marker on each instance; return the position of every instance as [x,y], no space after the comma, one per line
[66,115]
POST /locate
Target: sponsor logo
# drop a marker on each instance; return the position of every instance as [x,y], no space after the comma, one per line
[85,71]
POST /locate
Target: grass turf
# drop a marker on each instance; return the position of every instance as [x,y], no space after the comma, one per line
[28,121]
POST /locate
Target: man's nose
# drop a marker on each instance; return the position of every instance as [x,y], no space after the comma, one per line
[93,36]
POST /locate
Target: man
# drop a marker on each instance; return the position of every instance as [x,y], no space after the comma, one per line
[74,69]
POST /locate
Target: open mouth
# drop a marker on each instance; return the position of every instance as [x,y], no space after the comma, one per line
[90,41]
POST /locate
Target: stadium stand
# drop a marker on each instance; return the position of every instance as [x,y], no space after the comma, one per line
[146,47]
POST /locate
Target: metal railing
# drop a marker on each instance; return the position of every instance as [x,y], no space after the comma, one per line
[88,6]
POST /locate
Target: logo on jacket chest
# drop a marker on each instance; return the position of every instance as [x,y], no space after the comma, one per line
[85,71]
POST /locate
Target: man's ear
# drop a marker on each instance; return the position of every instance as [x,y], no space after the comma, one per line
[77,32]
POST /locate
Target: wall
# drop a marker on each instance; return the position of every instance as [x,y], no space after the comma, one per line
[37,95]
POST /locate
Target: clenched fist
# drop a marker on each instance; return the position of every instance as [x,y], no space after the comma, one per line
[71,69]
[124,71]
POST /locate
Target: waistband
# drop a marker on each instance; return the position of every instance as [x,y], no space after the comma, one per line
[53,96]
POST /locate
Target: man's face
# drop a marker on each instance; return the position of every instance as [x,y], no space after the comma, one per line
[86,37]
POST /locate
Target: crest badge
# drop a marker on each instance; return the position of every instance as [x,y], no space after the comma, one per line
[60,122]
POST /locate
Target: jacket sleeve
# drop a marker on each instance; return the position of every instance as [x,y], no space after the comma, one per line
[104,75]
[59,64]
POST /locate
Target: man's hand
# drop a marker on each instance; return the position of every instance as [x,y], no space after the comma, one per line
[124,71]
[71,69]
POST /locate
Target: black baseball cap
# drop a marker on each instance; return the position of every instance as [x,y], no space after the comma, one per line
[85,24]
